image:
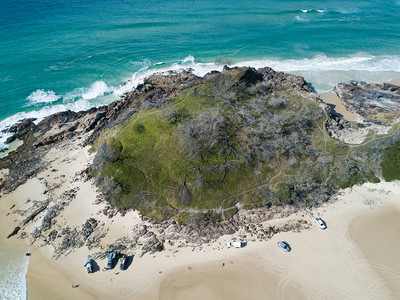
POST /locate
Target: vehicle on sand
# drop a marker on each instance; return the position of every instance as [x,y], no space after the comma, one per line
[285,246]
[320,223]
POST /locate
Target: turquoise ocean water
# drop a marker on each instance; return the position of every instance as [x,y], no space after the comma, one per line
[67,54]
[57,55]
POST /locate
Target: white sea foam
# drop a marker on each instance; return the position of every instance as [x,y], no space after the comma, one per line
[144,63]
[13,270]
[321,71]
[42,96]
[188,59]
[97,89]
[40,114]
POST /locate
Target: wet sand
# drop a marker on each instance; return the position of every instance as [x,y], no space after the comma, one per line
[378,236]
[332,99]
[336,263]
[395,81]
[238,278]
[323,264]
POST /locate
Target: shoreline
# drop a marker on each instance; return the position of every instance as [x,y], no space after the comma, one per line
[152,275]
[65,220]
[199,69]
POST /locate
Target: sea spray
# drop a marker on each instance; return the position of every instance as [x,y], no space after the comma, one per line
[321,71]
[97,89]
[42,96]
[13,269]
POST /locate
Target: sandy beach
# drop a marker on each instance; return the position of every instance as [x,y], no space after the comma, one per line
[352,259]
[395,81]
[337,106]
[348,260]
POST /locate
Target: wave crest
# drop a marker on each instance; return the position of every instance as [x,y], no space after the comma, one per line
[321,71]
[97,89]
[41,96]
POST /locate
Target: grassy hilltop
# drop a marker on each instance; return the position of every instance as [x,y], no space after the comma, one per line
[199,146]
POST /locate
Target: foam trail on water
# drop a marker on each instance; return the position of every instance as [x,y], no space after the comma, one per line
[321,71]
[325,72]
[188,59]
[300,19]
[41,96]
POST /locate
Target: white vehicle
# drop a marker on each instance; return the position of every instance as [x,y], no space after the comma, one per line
[320,223]
[235,244]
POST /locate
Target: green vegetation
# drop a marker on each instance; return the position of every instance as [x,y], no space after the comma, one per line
[391,162]
[228,140]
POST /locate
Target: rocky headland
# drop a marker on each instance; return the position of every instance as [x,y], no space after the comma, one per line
[295,163]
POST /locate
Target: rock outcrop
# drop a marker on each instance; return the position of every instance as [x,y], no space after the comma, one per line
[376,103]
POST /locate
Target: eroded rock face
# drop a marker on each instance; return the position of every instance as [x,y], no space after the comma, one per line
[89,227]
[282,81]
[378,103]
[171,79]
[152,244]
[62,127]
[156,90]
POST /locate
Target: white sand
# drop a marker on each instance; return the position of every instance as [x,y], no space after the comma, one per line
[395,81]
[324,264]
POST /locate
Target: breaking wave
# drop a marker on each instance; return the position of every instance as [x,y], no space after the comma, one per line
[321,71]
[41,96]
[12,276]
[97,89]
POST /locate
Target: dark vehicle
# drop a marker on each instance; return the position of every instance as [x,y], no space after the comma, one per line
[285,246]
[89,266]
[124,261]
[111,256]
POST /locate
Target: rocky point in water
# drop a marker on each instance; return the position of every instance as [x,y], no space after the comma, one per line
[242,146]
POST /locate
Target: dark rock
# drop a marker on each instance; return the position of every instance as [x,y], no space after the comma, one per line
[375,102]
[14,232]
[88,227]
[143,230]
[152,244]
[53,235]
[34,214]
[49,218]
[21,129]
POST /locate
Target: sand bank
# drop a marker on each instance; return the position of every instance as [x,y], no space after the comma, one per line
[333,100]
[395,81]
[323,264]
[377,235]
[327,264]
[45,281]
